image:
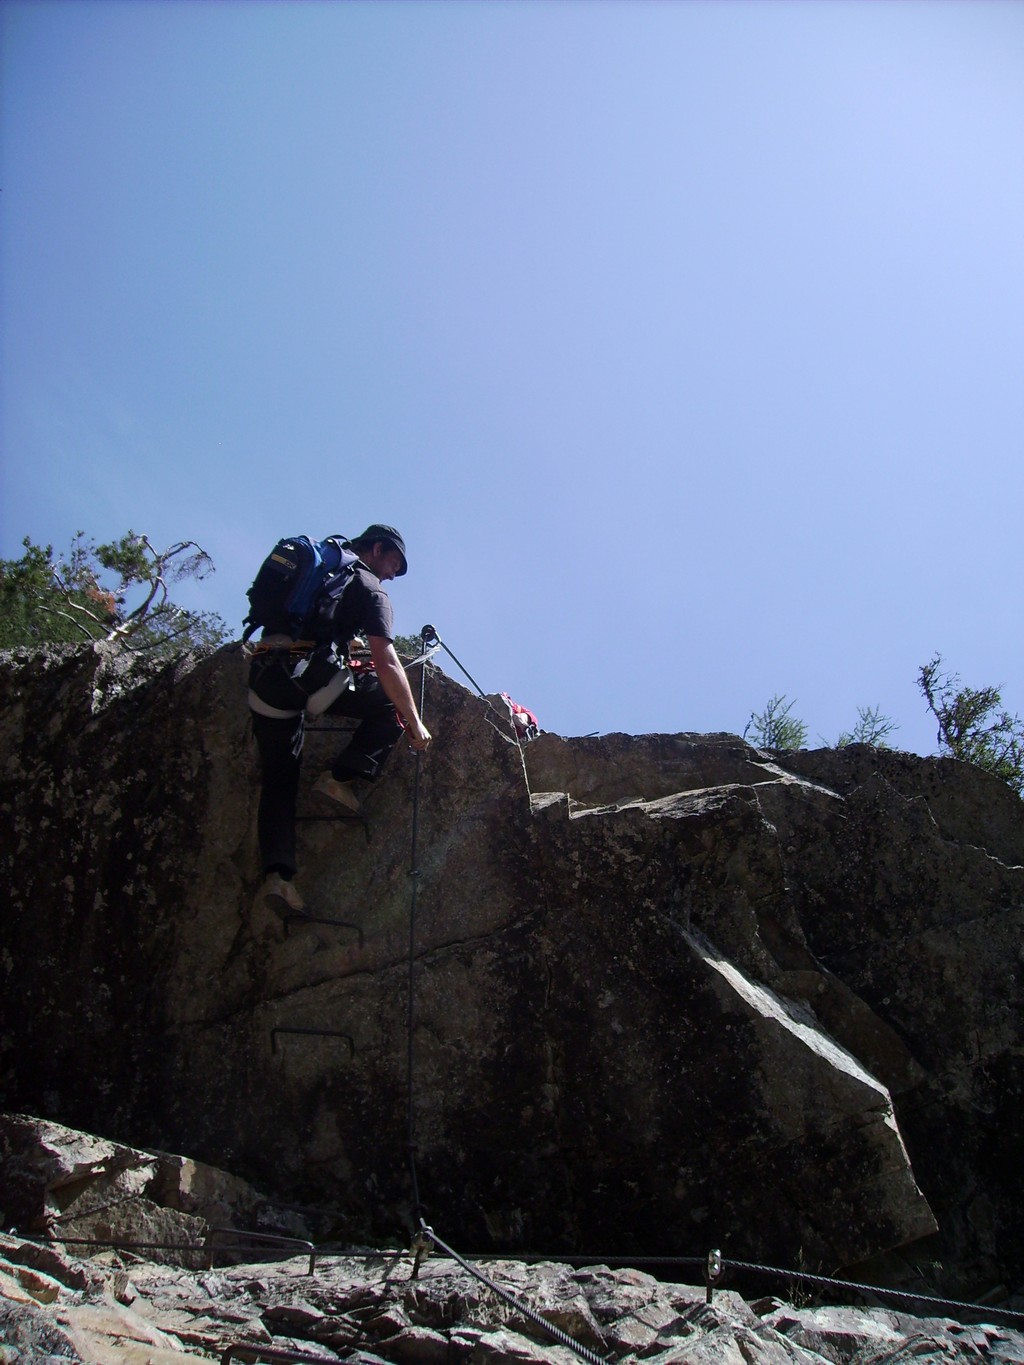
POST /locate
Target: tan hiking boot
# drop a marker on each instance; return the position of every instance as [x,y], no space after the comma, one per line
[282,896]
[342,792]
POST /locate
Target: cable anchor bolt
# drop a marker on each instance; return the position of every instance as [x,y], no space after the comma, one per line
[714,1267]
[422,1245]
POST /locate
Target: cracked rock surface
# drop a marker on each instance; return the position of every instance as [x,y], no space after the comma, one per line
[670,992]
[120,1309]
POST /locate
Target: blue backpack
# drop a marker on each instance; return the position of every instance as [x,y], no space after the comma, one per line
[298,588]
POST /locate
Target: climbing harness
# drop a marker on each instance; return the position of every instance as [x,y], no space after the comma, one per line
[293,678]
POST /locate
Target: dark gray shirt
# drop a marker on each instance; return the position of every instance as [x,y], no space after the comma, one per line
[365,608]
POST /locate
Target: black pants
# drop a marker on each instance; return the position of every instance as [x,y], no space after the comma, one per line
[280,747]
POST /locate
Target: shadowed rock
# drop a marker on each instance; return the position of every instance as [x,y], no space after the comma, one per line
[670,992]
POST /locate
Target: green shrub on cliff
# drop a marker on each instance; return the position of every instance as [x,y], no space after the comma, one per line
[118,592]
[871,728]
[775,727]
[973,725]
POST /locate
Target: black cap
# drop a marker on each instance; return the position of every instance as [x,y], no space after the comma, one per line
[388,534]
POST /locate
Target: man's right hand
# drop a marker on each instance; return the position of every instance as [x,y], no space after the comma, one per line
[418,734]
[391,676]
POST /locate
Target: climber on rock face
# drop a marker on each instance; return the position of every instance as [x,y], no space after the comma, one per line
[299,667]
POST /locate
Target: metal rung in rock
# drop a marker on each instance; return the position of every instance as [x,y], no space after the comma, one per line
[312,1033]
[341,815]
[303,918]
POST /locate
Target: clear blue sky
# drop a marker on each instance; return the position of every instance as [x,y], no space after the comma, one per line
[684,342]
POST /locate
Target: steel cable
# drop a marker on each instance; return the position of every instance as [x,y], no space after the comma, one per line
[427,637]
[554,1332]
[826,1282]
[515,739]
[906,1297]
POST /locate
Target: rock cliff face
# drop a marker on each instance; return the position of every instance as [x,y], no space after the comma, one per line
[668,992]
